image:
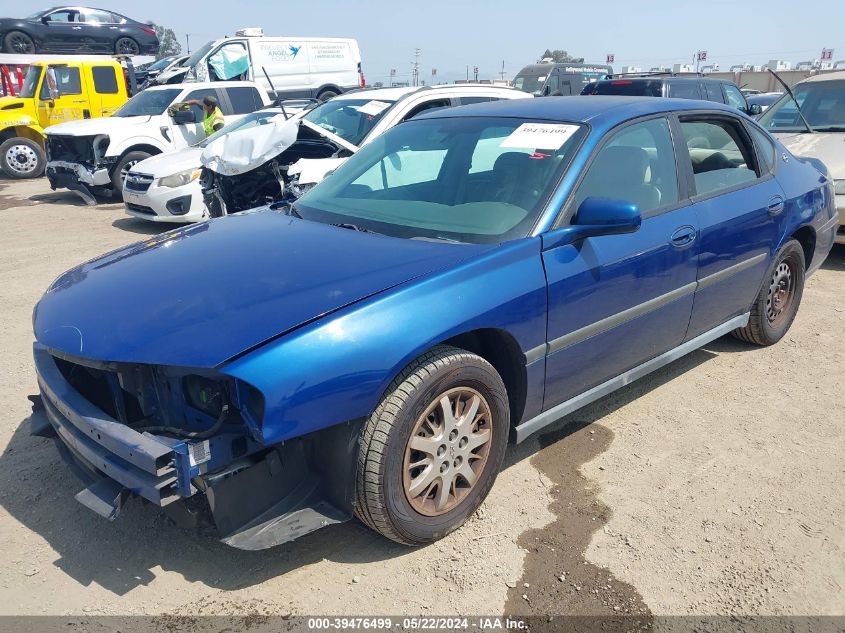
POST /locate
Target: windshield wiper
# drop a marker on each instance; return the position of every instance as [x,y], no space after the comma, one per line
[354,227]
[830,128]
[287,208]
[794,100]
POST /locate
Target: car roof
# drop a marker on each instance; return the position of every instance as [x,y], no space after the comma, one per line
[598,110]
[394,94]
[200,85]
[641,78]
[826,77]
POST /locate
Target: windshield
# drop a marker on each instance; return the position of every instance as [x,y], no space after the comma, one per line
[198,54]
[466,179]
[529,83]
[255,119]
[822,104]
[162,63]
[350,119]
[148,103]
[30,84]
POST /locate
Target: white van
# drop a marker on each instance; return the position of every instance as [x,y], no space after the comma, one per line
[311,67]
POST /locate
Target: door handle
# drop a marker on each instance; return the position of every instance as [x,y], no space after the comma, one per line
[683,236]
[776,205]
[77,28]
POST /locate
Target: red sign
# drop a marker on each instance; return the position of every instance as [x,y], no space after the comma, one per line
[611,58]
[702,56]
[827,54]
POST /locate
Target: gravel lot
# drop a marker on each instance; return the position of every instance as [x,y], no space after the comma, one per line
[714,486]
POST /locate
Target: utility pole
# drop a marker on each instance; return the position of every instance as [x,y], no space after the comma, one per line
[416,67]
[503,70]
[188,42]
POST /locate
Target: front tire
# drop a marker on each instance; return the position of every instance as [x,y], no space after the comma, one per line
[18,43]
[22,158]
[776,305]
[431,450]
[123,167]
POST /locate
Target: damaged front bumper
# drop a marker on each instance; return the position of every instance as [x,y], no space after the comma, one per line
[60,172]
[257,497]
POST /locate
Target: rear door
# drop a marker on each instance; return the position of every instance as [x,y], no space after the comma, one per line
[616,301]
[739,204]
[106,95]
[99,27]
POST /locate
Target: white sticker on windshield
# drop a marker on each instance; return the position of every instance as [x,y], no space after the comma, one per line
[540,136]
[373,107]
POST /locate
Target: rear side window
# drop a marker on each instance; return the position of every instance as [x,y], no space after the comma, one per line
[436,104]
[713,91]
[721,158]
[684,90]
[469,100]
[105,80]
[765,148]
[627,87]
[244,100]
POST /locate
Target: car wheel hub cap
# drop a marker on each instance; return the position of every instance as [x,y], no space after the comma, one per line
[447,451]
[781,290]
[21,158]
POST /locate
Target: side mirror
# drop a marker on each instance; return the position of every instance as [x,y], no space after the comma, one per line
[547,90]
[755,109]
[184,117]
[595,217]
[45,19]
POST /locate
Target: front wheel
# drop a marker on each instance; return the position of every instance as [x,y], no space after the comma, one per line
[776,305]
[123,168]
[22,158]
[431,451]
[18,43]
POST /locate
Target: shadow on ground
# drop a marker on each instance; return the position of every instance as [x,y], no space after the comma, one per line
[37,489]
[142,227]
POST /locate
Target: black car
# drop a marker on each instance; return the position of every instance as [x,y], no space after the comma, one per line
[77,30]
[678,87]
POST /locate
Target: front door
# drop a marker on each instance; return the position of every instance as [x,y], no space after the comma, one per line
[66,82]
[616,301]
[189,134]
[64,30]
[740,206]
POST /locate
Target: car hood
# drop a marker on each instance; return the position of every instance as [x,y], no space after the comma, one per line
[828,147]
[198,296]
[170,163]
[93,127]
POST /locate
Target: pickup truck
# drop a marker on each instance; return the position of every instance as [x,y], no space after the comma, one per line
[93,157]
[55,92]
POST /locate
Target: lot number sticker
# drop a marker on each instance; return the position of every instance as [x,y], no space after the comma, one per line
[373,107]
[540,136]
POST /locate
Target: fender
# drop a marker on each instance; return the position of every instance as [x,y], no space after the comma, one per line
[337,368]
[117,149]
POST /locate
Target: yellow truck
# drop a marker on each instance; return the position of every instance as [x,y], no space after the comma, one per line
[55,91]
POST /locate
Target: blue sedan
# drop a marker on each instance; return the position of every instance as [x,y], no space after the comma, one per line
[470,277]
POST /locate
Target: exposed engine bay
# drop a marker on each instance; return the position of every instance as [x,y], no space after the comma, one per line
[271,181]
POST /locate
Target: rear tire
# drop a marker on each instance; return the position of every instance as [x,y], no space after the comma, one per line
[18,43]
[775,307]
[126,46]
[122,168]
[22,158]
[431,450]
[326,95]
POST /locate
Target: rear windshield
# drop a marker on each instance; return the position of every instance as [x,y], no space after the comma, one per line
[822,104]
[625,87]
[148,103]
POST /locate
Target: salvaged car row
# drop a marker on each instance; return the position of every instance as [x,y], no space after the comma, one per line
[379,288]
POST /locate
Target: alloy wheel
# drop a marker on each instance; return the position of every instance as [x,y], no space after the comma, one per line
[447,451]
[21,44]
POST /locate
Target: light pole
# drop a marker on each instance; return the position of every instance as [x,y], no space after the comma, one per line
[188,42]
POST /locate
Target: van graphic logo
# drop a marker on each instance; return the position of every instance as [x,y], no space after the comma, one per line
[294,50]
[280,52]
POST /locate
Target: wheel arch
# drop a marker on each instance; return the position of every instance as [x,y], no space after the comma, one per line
[152,150]
[328,87]
[806,237]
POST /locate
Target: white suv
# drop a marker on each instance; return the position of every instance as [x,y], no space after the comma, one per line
[94,155]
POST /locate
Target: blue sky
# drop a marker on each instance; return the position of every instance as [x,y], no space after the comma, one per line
[456,33]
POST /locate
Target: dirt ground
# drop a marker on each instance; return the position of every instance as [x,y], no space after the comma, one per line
[714,486]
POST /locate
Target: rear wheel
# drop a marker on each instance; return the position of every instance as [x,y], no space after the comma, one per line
[22,158]
[126,46]
[327,94]
[776,305]
[18,43]
[123,167]
[432,449]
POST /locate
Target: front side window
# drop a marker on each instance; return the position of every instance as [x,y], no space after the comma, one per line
[721,158]
[350,119]
[65,79]
[822,104]
[148,103]
[765,148]
[734,97]
[64,16]
[105,80]
[418,179]
[636,165]
[199,95]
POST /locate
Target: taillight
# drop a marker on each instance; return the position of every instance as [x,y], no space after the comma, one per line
[148,30]
[361,77]
[621,83]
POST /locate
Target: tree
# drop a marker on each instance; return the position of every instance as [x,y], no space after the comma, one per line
[168,45]
[559,56]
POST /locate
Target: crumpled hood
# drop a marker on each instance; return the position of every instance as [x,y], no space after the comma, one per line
[93,127]
[198,296]
[170,163]
[244,150]
[828,147]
